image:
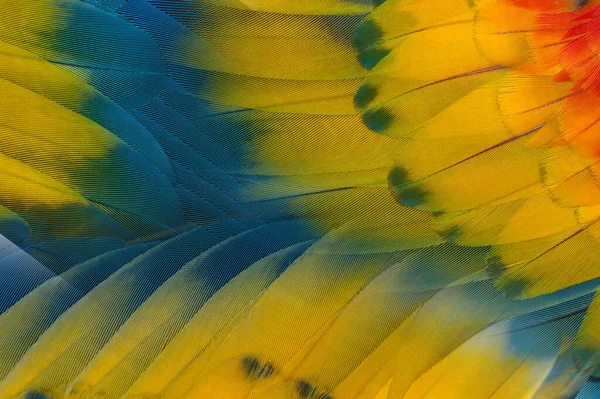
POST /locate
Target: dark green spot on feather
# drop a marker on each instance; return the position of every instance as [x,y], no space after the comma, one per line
[452,234]
[405,191]
[367,34]
[411,196]
[36,395]
[495,267]
[250,365]
[305,389]
[398,177]
[369,57]
[253,368]
[364,96]
[378,120]
[513,287]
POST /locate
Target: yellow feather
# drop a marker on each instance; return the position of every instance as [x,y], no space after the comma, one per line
[307,7]
[202,335]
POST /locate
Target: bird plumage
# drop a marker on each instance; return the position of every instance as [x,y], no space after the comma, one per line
[332,199]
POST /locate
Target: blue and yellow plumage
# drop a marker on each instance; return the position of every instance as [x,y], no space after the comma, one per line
[316,199]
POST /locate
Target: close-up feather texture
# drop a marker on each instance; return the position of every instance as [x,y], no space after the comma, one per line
[299,199]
